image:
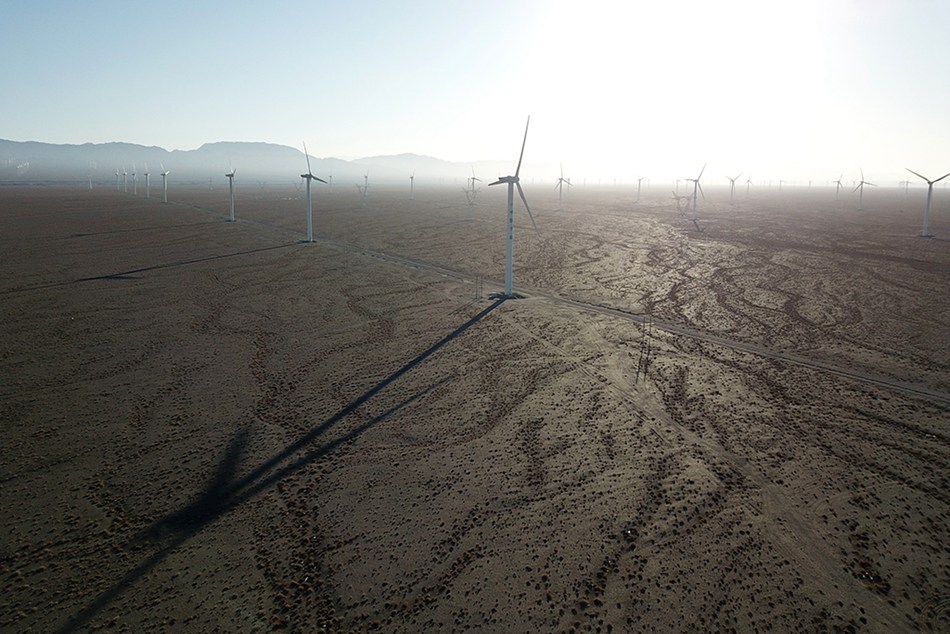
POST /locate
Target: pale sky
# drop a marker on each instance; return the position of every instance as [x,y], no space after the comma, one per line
[795,89]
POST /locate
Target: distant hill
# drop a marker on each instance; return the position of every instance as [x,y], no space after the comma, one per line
[28,161]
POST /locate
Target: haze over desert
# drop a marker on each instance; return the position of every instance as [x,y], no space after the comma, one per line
[215,426]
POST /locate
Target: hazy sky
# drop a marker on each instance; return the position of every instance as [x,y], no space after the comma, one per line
[792,89]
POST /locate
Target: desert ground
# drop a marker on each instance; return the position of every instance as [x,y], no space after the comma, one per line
[212,426]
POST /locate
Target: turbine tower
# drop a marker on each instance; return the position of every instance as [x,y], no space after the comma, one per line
[412,178]
[135,183]
[560,186]
[925,232]
[512,182]
[309,176]
[732,186]
[639,183]
[125,181]
[147,196]
[230,176]
[748,182]
[165,174]
[117,179]
[861,188]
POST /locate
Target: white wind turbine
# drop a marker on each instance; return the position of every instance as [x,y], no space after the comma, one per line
[639,183]
[861,188]
[732,186]
[364,187]
[697,188]
[135,184]
[472,192]
[165,174]
[560,186]
[412,178]
[125,181]
[117,179]
[748,182]
[309,176]
[230,176]
[838,186]
[147,193]
[925,232]
[512,182]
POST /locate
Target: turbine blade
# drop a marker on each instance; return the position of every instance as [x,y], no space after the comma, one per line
[521,156]
[530,215]
[497,182]
[309,171]
[316,178]
[701,171]
[942,177]
[702,193]
[916,174]
[857,188]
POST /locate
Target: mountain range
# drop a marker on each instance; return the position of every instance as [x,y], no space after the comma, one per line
[31,161]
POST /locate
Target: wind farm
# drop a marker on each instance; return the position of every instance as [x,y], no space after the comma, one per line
[610,394]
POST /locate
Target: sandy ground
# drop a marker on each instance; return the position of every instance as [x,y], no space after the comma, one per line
[213,427]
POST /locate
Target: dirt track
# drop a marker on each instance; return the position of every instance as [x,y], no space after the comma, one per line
[211,423]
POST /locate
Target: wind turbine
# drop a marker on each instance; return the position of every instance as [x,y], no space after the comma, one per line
[330,182]
[472,192]
[861,187]
[90,182]
[748,182]
[165,174]
[147,196]
[930,191]
[412,178]
[560,186]
[309,176]
[639,183]
[135,183]
[732,186]
[230,176]
[125,181]
[838,186]
[365,187]
[512,182]
[699,188]
[117,179]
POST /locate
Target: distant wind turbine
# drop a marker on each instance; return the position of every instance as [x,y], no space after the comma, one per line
[838,186]
[860,190]
[309,176]
[560,185]
[365,187]
[732,186]
[748,182]
[639,183]
[925,232]
[135,186]
[472,192]
[230,176]
[512,182]
[125,181]
[117,179]
[165,174]
[147,192]
[697,188]
[412,178]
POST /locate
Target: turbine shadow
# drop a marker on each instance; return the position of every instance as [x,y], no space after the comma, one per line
[224,492]
[125,275]
[115,231]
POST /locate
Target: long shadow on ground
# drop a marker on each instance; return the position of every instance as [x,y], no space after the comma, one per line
[128,275]
[223,493]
